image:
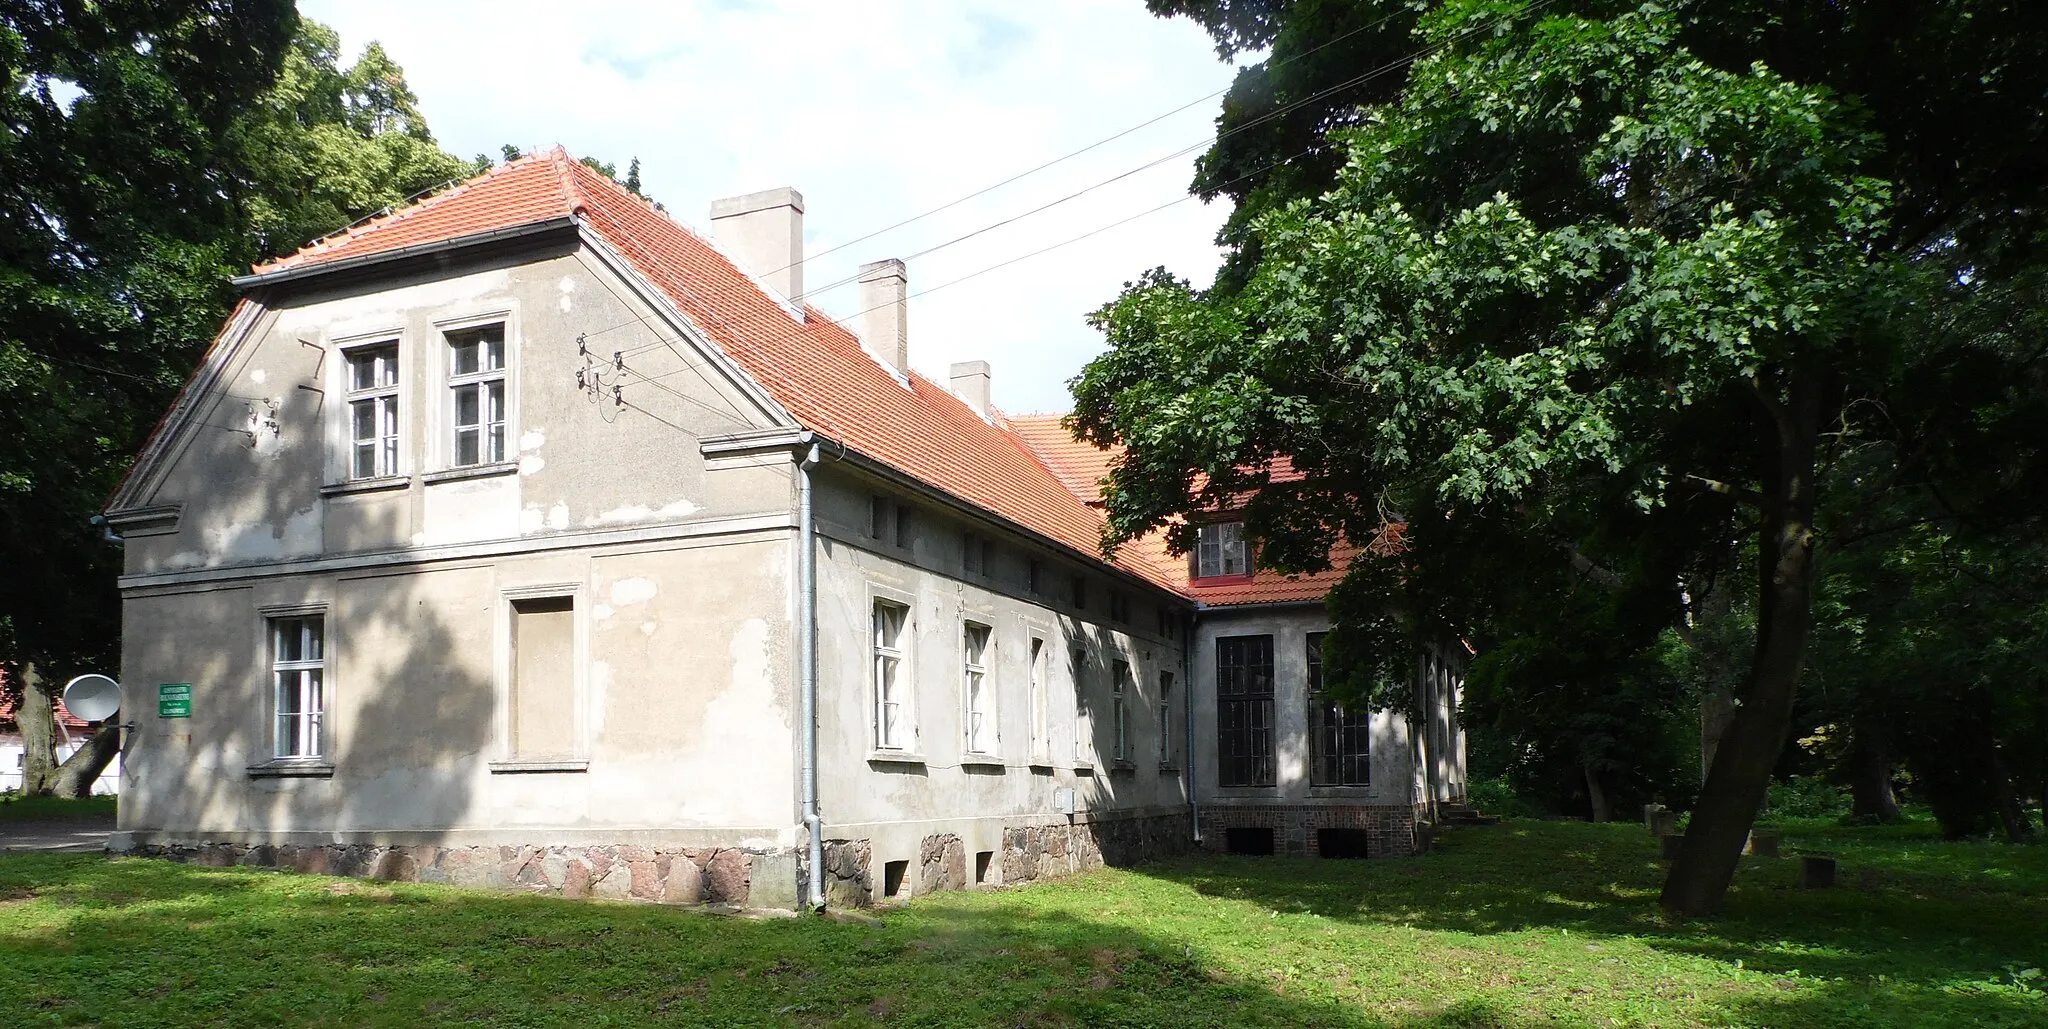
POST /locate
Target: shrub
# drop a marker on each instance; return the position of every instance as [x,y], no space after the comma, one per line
[1806,796]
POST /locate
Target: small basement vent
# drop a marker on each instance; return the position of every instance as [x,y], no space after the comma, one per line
[982,860]
[892,878]
[1257,842]
[1341,843]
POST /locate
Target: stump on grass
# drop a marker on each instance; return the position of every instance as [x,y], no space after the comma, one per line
[1670,842]
[1816,872]
[1762,843]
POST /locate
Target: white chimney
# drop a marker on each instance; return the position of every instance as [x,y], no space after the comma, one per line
[764,232]
[970,383]
[883,302]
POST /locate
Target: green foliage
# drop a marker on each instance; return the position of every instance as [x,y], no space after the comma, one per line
[1805,796]
[1520,925]
[611,171]
[1649,296]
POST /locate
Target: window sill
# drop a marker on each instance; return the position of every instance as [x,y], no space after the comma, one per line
[982,761]
[540,765]
[1122,767]
[376,485]
[292,769]
[1169,769]
[1083,768]
[895,757]
[475,471]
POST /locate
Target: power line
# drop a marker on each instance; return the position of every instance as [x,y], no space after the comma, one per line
[1100,142]
[1192,147]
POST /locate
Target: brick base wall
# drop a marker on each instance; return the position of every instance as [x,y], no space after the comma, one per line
[1391,829]
[1029,853]
[710,876]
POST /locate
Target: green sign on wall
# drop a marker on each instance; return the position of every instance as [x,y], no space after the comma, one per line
[174,700]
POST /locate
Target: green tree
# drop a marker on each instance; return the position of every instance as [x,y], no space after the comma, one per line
[152,151]
[1597,287]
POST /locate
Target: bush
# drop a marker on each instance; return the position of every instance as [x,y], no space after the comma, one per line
[1495,797]
[1806,796]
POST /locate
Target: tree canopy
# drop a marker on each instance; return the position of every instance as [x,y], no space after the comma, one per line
[150,152]
[1634,298]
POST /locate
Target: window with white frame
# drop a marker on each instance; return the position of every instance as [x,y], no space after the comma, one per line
[298,672]
[476,389]
[1077,660]
[1120,707]
[1165,718]
[1220,550]
[981,716]
[892,689]
[372,396]
[1040,717]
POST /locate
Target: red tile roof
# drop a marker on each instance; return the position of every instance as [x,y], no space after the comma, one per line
[1026,470]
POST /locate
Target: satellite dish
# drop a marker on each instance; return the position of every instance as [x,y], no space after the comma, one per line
[92,697]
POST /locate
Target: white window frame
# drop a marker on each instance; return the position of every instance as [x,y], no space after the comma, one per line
[1041,702]
[1165,719]
[1215,543]
[980,733]
[1119,706]
[458,382]
[386,400]
[1084,734]
[891,678]
[305,678]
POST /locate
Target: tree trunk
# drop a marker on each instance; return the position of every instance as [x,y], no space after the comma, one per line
[76,775]
[1748,751]
[1870,779]
[1602,812]
[37,720]
[1717,709]
[2012,816]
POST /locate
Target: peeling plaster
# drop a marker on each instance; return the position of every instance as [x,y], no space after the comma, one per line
[258,376]
[642,513]
[627,592]
[567,286]
[602,612]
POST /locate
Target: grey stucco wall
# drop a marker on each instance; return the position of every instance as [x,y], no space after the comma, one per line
[1392,774]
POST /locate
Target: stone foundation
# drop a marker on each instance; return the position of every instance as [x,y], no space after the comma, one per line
[718,875]
[1391,830]
[1029,853]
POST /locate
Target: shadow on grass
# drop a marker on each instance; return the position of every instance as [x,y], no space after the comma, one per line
[1910,938]
[147,943]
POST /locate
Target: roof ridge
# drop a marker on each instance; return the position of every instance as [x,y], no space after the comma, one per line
[565,175]
[389,216]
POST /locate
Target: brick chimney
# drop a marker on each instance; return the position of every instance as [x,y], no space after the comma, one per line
[884,289]
[764,232]
[970,383]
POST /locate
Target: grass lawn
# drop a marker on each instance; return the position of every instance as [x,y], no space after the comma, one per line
[1522,924]
[17,808]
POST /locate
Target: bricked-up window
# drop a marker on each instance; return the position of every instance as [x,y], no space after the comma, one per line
[373,411]
[1339,741]
[476,384]
[1244,711]
[543,685]
[878,517]
[1041,716]
[298,669]
[892,714]
[1077,660]
[1119,607]
[1220,550]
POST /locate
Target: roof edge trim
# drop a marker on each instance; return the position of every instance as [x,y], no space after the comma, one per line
[309,270]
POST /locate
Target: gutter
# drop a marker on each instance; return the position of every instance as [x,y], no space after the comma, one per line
[306,271]
[1187,706]
[807,670]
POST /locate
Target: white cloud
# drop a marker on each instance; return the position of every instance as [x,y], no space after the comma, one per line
[874,113]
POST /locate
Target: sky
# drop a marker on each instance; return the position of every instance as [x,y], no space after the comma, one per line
[875,113]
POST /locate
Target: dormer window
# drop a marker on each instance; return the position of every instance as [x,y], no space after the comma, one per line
[1220,551]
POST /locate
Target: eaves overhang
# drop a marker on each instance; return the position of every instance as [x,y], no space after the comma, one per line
[439,247]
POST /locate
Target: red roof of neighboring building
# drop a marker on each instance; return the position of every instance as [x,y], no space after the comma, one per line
[1026,470]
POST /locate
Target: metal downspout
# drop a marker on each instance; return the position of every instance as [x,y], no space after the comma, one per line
[1187,670]
[807,662]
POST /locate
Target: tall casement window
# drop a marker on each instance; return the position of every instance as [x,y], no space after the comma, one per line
[298,672]
[1120,707]
[1166,718]
[1220,550]
[1244,711]
[373,410]
[1339,741]
[1077,660]
[476,384]
[1041,715]
[981,715]
[892,690]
